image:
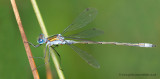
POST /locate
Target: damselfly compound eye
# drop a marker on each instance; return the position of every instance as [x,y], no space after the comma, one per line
[41,39]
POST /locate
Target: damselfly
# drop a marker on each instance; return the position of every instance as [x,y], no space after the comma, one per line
[82,20]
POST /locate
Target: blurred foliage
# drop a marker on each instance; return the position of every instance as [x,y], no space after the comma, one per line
[121,20]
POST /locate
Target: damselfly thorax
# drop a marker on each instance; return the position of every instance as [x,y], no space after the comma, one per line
[57,39]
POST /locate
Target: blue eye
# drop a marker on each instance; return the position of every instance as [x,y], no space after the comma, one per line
[40,41]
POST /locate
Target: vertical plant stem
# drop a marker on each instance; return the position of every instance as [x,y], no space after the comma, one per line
[42,25]
[48,69]
[24,38]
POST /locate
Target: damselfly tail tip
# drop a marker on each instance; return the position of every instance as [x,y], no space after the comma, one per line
[146,45]
[153,45]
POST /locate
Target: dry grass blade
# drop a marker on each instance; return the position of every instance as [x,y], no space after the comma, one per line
[24,38]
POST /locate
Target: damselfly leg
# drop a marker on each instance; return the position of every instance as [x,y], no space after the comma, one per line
[33,44]
[53,47]
[56,52]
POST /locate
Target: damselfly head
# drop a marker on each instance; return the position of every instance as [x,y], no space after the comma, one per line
[41,39]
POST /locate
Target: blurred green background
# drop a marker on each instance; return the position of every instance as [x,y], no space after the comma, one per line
[121,21]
